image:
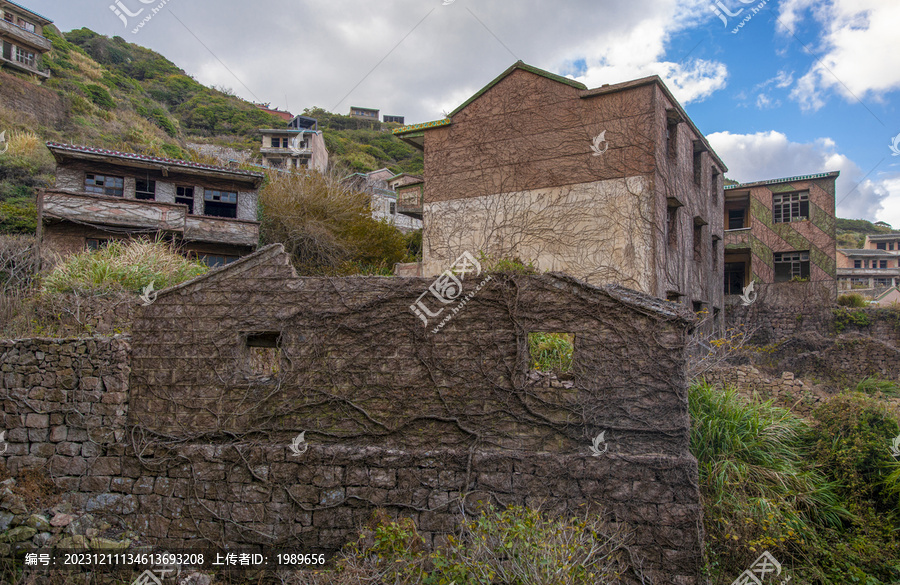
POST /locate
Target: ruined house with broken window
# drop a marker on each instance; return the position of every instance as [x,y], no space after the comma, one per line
[100,195]
[22,40]
[780,230]
[611,185]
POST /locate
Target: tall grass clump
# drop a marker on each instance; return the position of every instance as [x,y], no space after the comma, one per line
[551,352]
[126,266]
[759,491]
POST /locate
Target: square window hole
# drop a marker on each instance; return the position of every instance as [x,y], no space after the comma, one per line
[551,352]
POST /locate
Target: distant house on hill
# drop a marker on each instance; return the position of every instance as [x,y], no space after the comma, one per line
[299,145]
[383,199]
[102,195]
[22,39]
[286,116]
[365,113]
[876,265]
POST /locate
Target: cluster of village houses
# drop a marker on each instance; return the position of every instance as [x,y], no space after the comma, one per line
[550,146]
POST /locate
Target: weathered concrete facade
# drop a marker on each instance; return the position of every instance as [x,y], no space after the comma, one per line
[226,370]
[102,195]
[611,185]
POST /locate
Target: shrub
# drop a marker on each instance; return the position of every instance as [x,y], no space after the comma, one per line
[516,546]
[854,300]
[122,266]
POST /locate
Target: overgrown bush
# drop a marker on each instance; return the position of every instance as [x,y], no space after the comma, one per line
[128,265]
[327,228]
[854,300]
[551,352]
[515,546]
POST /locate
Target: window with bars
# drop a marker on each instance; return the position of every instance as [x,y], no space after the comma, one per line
[788,207]
[104,185]
[789,265]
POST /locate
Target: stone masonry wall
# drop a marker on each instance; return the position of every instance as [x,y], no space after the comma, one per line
[228,369]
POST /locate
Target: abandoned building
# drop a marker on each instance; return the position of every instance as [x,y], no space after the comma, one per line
[101,195]
[22,39]
[366,113]
[872,268]
[780,230]
[383,197]
[286,116]
[611,185]
[394,119]
[298,146]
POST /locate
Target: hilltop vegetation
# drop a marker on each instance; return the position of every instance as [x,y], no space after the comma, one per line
[851,233]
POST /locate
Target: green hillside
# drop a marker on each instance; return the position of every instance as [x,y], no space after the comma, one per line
[851,233]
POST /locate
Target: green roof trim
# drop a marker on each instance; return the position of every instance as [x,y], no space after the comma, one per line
[785,180]
[420,127]
[525,67]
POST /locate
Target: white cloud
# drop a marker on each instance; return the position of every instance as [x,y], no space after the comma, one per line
[770,155]
[857,56]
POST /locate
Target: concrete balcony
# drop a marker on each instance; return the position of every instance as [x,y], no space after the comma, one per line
[114,211]
[19,36]
[147,217]
[221,230]
[737,238]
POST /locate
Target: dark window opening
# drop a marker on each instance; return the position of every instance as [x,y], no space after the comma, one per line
[220,203]
[672,225]
[714,184]
[857,264]
[787,207]
[882,264]
[882,246]
[698,307]
[264,352]
[145,190]
[185,196]
[276,142]
[736,218]
[715,254]
[790,265]
[673,296]
[734,278]
[104,185]
[95,243]
[698,168]
[671,137]
[393,208]
[698,242]
[551,352]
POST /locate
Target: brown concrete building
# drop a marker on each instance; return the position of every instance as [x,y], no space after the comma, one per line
[366,113]
[779,230]
[611,185]
[872,268]
[22,39]
[300,145]
[102,195]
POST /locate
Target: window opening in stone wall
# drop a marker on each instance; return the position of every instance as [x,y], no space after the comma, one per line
[787,207]
[672,225]
[791,265]
[185,196]
[145,189]
[551,352]
[264,351]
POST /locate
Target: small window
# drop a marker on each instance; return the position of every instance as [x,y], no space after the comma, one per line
[734,278]
[671,137]
[891,246]
[736,219]
[714,185]
[393,208]
[8,17]
[276,142]
[104,185]
[791,265]
[882,264]
[787,207]
[673,296]
[698,168]
[698,307]
[185,196]
[715,254]
[698,242]
[25,57]
[551,352]
[145,189]
[264,352]
[95,243]
[857,264]
[881,246]
[220,203]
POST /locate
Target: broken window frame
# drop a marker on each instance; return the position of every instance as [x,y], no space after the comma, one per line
[116,190]
[145,189]
[790,265]
[223,203]
[182,197]
[790,207]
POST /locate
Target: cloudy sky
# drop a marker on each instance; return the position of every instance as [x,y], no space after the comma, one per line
[780,88]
